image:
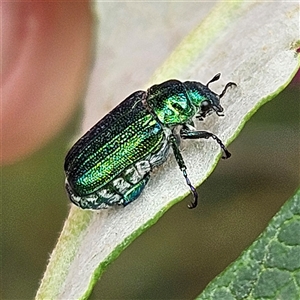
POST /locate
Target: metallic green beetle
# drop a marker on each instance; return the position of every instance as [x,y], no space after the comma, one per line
[112,162]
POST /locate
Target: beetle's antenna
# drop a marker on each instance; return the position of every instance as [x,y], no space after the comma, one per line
[215,78]
[229,84]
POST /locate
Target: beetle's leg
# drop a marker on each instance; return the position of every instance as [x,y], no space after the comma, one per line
[187,133]
[182,167]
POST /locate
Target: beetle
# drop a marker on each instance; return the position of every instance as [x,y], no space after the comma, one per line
[112,162]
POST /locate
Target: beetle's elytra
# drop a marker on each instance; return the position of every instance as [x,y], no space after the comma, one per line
[112,162]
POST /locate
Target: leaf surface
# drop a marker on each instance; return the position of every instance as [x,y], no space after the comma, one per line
[270,267]
[253,44]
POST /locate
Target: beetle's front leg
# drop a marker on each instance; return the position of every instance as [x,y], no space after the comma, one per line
[188,133]
[182,167]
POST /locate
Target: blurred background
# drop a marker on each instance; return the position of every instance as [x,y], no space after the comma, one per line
[188,247]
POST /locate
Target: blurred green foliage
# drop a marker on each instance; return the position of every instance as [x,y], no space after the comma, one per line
[269,268]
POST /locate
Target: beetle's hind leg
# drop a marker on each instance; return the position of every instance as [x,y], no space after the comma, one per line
[187,133]
[182,167]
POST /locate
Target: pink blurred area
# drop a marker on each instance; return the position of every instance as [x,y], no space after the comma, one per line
[46,50]
[296,80]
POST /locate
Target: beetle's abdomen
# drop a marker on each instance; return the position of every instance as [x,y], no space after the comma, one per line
[126,136]
[113,158]
[126,187]
[121,191]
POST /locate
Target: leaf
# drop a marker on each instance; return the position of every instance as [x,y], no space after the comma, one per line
[270,267]
[254,45]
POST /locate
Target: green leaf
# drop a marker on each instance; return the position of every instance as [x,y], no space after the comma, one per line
[260,56]
[270,267]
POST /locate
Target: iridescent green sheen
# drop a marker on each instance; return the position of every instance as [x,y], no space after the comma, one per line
[123,137]
[198,92]
[171,104]
[111,164]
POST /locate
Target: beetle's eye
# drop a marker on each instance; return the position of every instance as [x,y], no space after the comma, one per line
[205,105]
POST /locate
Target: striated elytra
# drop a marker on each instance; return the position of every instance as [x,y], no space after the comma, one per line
[111,164]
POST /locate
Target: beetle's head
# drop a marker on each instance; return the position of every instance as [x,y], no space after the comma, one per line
[170,104]
[204,98]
